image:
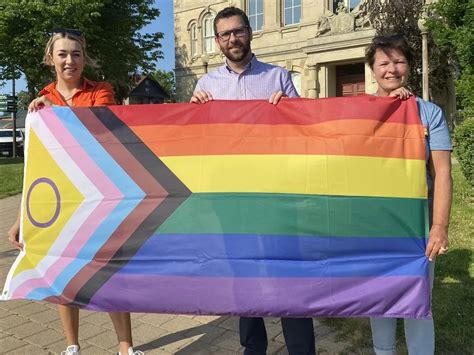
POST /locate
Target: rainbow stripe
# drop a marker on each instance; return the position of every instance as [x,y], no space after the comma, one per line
[307,208]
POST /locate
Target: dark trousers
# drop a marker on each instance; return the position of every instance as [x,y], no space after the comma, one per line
[298,333]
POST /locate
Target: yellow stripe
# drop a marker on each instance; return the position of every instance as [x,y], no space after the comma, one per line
[43,204]
[302,174]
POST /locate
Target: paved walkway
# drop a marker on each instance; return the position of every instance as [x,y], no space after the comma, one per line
[28,327]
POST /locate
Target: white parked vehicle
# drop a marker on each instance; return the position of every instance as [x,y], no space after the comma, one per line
[6,142]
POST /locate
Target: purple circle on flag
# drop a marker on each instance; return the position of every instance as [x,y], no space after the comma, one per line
[58,202]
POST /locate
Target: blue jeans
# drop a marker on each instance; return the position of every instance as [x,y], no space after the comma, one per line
[419,333]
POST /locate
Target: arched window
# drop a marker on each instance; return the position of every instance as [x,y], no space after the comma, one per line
[296,78]
[255,14]
[193,38]
[291,12]
[208,33]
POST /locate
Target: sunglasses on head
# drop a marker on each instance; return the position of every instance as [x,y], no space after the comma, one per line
[70,31]
[387,39]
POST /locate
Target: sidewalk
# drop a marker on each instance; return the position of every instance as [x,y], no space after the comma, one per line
[28,327]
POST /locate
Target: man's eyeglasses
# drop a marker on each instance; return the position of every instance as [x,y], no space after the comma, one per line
[70,31]
[238,32]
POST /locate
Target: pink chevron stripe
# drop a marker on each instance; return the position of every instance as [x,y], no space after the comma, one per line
[80,157]
[103,209]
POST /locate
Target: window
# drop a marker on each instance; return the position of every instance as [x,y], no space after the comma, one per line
[193,35]
[255,14]
[348,4]
[291,12]
[296,78]
[208,34]
[353,4]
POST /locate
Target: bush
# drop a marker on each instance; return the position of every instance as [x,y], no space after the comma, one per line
[464,148]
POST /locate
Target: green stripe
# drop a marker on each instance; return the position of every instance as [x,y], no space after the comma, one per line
[239,213]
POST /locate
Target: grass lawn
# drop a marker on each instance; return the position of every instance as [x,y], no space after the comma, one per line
[11,176]
[453,294]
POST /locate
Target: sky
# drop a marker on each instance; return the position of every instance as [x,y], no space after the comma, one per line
[164,23]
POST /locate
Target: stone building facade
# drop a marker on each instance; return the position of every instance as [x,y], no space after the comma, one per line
[321,42]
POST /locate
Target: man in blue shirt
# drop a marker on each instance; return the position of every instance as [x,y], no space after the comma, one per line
[243,77]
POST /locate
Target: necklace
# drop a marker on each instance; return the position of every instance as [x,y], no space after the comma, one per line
[67,98]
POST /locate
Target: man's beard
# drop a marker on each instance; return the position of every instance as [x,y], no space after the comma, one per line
[244,50]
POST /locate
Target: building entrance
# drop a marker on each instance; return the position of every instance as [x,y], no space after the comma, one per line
[350,79]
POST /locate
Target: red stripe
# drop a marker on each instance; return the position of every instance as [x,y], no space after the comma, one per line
[288,111]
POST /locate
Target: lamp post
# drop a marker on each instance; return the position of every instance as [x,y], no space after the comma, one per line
[14,150]
[424,56]
[205,62]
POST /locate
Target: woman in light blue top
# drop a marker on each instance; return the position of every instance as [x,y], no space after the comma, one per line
[390,58]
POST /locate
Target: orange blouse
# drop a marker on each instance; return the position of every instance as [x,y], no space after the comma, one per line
[91,93]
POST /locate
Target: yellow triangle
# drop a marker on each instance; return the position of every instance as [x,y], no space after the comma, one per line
[42,173]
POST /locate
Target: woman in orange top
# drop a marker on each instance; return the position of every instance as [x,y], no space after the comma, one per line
[66,53]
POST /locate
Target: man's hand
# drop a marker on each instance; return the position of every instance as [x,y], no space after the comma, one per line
[38,103]
[276,97]
[13,235]
[201,97]
[438,243]
[403,93]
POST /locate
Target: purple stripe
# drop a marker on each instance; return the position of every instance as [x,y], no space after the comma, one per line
[397,296]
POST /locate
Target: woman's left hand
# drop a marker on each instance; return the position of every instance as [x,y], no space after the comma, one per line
[38,103]
[403,93]
[13,234]
[438,243]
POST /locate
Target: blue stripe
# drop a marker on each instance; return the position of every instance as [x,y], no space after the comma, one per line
[234,255]
[132,197]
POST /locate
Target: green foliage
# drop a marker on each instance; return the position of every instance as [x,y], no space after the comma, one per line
[111,29]
[166,80]
[451,24]
[464,148]
[23,100]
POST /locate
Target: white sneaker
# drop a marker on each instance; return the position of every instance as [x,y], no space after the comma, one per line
[71,350]
[131,352]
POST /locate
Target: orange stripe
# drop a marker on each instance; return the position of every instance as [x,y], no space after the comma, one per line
[343,137]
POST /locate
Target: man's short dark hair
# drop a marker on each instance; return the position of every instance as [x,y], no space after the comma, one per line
[388,43]
[229,12]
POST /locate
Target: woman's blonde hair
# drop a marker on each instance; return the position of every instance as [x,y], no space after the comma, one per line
[48,51]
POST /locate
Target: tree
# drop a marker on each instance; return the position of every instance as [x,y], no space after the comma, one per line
[451,23]
[166,80]
[23,100]
[111,29]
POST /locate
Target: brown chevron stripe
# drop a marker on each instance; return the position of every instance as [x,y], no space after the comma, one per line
[133,156]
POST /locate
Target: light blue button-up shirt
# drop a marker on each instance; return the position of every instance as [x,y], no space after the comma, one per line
[258,81]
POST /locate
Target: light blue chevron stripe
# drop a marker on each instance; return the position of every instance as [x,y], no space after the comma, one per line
[130,190]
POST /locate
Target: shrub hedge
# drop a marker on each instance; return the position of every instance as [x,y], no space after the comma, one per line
[464,148]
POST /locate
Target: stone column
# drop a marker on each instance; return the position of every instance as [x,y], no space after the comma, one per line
[312,83]
[424,53]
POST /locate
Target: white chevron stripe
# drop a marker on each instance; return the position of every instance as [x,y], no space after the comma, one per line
[87,188]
